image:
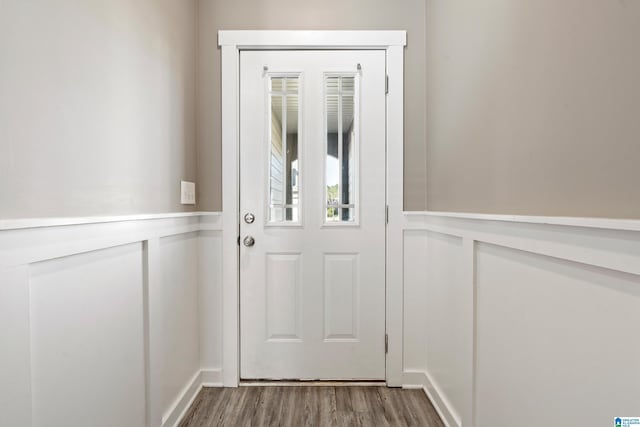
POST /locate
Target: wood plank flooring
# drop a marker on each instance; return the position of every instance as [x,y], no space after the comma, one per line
[311,406]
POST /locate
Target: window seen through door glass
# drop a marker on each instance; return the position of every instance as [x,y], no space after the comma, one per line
[341,143]
[284,162]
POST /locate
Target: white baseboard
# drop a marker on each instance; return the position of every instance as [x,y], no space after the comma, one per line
[422,380]
[211,377]
[182,403]
[202,378]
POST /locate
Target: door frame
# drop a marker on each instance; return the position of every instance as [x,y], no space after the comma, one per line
[231,44]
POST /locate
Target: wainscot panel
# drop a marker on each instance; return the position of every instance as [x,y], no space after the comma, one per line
[108,321]
[522,318]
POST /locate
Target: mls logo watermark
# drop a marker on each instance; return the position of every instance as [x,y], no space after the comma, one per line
[626,421]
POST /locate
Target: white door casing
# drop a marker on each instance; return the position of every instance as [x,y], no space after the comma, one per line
[231,44]
[312,287]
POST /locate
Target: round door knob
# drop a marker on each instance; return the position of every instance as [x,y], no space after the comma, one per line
[249,241]
[249,218]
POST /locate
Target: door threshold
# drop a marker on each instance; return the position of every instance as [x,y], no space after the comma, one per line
[312,383]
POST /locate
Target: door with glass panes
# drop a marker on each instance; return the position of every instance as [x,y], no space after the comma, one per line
[312,215]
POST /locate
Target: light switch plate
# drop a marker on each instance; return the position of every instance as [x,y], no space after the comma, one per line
[187,193]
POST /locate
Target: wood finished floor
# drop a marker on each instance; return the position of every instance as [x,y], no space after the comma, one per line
[311,406]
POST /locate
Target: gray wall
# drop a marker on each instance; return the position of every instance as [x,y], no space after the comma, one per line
[97,106]
[530,107]
[533,107]
[217,15]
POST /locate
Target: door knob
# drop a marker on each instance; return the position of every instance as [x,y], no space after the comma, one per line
[249,241]
[249,218]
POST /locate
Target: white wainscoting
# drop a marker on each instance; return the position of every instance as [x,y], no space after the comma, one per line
[522,321]
[119,321]
[108,321]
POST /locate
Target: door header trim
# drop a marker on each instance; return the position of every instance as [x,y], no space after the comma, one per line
[312,39]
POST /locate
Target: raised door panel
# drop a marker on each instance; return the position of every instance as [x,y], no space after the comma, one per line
[284,297]
[341,296]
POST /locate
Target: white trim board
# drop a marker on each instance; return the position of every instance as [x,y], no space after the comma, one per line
[231,43]
[202,379]
[599,246]
[28,245]
[588,222]
[422,380]
[21,223]
[312,39]
[183,401]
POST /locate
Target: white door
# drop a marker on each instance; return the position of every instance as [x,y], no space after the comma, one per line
[312,214]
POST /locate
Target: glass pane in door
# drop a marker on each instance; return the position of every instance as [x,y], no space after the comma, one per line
[341,159]
[284,162]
